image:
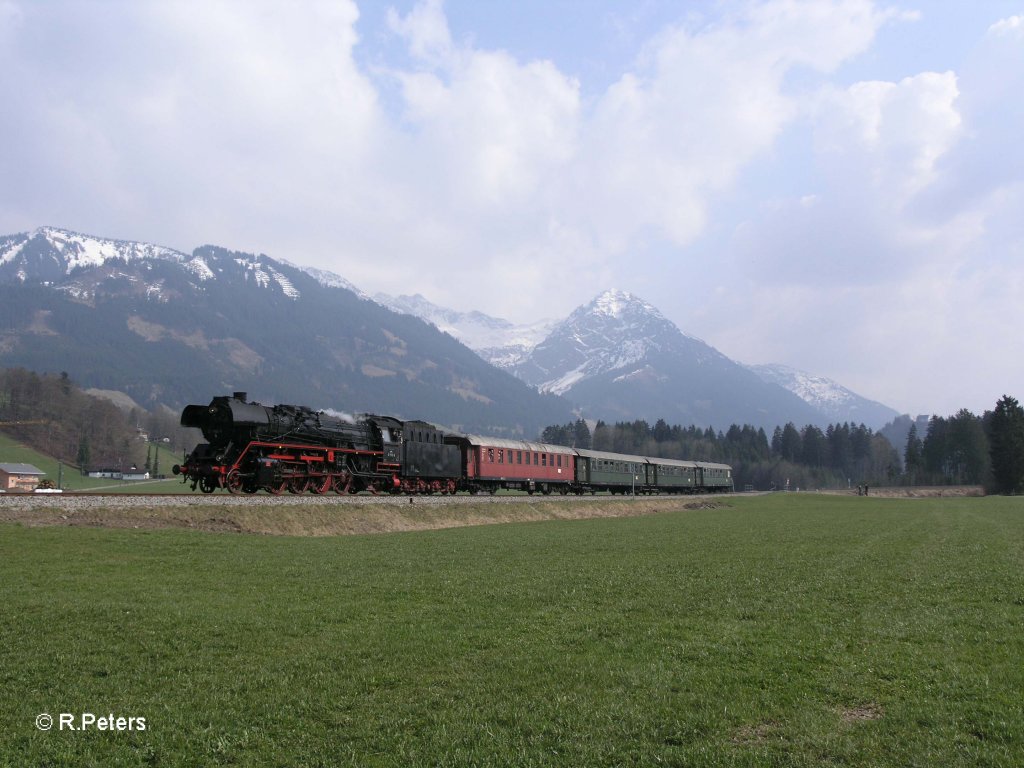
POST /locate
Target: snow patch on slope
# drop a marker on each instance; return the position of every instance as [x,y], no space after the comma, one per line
[495,339]
[86,251]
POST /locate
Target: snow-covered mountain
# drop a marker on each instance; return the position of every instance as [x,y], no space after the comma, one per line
[614,332]
[498,341]
[834,401]
[618,357]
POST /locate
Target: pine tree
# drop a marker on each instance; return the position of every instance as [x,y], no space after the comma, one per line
[969,447]
[1006,441]
[815,448]
[82,459]
[791,443]
[582,434]
[913,456]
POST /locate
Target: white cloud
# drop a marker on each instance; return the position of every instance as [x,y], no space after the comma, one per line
[1008,27]
[425,28]
[891,135]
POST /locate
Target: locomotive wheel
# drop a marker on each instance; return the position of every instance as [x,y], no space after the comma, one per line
[233,481]
[207,484]
[322,481]
[341,483]
[298,484]
[277,489]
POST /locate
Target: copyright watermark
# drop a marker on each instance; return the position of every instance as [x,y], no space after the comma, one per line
[87,721]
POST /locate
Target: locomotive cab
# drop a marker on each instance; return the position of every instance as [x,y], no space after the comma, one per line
[219,420]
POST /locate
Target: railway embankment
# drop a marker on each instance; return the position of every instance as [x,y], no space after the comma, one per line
[309,515]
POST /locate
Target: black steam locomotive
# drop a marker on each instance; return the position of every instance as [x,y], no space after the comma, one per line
[252,447]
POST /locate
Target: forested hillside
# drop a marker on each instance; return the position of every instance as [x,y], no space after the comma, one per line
[52,415]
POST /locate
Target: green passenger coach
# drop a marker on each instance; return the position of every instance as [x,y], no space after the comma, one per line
[672,475]
[613,472]
[715,477]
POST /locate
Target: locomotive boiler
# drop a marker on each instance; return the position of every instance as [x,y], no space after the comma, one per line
[251,447]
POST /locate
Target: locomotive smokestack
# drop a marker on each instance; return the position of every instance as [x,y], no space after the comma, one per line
[240,396]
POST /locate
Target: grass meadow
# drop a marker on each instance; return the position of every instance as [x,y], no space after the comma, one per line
[786,630]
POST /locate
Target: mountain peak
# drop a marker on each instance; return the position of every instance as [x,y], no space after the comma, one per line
[618,305]
[616,331]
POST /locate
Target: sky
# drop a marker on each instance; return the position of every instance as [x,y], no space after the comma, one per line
[833,185]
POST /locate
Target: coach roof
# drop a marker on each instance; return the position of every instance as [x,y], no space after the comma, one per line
[588,454]
[516,445]
[672,462]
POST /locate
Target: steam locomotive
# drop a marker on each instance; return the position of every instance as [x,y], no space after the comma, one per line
[290,447]
[252,447]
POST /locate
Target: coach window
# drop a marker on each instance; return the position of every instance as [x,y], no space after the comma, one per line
[519,457]
[501,456]
[490,455]
[559,459]
[543,459]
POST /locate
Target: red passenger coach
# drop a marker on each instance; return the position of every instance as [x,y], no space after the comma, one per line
[491,463]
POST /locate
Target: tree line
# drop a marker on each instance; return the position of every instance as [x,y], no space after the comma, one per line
[53,415]
[962,449]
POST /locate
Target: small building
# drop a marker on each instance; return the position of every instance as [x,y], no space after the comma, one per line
[110,474]
[132,474]
[19,477]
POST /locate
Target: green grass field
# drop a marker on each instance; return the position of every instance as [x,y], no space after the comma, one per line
[789,630]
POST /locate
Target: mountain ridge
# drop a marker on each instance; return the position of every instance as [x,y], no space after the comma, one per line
[169,327]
